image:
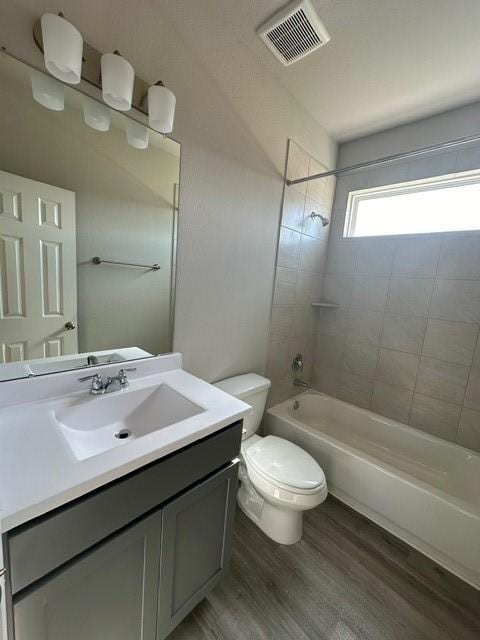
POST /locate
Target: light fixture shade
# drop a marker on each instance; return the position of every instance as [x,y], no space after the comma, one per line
[62,48]
[47,91]
[137,134]
[118,77]
[96,114]
[161,108]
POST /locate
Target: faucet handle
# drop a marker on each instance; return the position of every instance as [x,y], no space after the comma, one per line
[95,376]
[97,383]
[122,376]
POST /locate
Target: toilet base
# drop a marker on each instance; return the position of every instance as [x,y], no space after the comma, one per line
[281,525]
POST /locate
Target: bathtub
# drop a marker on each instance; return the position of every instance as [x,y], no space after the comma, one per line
[422,489]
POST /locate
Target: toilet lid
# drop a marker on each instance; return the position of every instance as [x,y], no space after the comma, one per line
[284,462]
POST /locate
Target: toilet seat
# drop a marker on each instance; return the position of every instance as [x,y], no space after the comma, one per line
[285,465]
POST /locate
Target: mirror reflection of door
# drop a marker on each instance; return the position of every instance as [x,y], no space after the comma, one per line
[38,289]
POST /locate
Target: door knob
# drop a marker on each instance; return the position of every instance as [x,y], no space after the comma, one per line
[70,326]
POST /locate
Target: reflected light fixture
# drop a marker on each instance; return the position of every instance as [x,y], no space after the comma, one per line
[47,91]
[161,108]
[62,48]
[96,114]
[137,134]
[118,77]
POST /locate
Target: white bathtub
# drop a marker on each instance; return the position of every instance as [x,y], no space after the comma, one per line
[420,488]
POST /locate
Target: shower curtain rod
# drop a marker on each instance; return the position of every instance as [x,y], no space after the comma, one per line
[397,156]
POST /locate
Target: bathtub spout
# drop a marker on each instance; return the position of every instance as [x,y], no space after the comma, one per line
[301,383]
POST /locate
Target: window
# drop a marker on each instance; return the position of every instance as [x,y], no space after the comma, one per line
[443,203]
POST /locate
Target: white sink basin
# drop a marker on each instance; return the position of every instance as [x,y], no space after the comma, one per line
[96,424]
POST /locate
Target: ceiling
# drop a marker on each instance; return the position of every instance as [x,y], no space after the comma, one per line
[388,62]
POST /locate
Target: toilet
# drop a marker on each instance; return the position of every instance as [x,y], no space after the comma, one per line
[278,479]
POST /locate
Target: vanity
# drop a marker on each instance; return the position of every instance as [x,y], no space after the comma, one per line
[125,541]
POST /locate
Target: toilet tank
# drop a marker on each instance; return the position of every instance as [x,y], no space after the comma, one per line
[252,389]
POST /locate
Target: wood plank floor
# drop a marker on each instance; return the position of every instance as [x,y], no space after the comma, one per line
[342,581]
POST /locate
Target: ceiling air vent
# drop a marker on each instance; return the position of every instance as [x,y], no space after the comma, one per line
[294,32]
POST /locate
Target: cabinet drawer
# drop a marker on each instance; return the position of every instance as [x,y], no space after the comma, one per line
[46,543]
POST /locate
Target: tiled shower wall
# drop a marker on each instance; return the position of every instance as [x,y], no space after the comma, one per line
[302,254]
[404,339]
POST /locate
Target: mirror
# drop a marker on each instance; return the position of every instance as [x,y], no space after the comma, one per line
[87,229]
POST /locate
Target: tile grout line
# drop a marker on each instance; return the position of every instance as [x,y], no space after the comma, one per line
[425,332]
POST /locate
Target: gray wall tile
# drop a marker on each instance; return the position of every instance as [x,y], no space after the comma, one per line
[451,341]
[399,299]
[365,326]
[289,248]
[329,350]
[410,296]
[355,389]
[333,322]
[456,300]
[434,416]
[416,257]
[338,289]
[397,368]
[342,257]
[284,292]
[369,292]
[468,434]
[326,379]
[391,402]
[360,358]
[282,320]
[403,333]
[460,258]
[442,380]
[375,257]
[304,321]
[293,206]
[313,254]
[472,395]
[476,355]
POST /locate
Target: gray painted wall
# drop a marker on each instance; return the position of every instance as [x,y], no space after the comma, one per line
[233,120]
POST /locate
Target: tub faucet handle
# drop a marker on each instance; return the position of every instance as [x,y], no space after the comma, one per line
[297,364]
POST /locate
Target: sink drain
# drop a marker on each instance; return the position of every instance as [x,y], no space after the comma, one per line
[123,434]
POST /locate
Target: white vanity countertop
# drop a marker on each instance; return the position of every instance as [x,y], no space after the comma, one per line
[38,470]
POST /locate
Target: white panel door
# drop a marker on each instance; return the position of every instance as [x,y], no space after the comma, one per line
[38,283]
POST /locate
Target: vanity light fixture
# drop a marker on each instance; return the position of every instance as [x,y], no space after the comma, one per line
[70,59]
[161,108]
[118,77]
[62,48]
[47,91]
[96,114]
[137,134]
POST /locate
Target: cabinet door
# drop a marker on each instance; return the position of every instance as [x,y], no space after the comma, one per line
[109,592]
[196,543]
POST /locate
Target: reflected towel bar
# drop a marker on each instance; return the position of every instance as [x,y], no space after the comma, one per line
[153,267]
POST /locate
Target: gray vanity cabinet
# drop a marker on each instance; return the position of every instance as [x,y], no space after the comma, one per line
[138,583]
[196,544]
[110,592]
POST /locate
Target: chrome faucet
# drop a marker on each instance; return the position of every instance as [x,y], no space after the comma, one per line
[108,384]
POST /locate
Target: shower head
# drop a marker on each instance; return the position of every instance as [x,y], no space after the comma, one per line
[325,221]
